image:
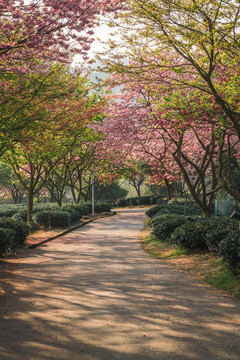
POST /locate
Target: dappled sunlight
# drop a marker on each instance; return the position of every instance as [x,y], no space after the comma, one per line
[107,299]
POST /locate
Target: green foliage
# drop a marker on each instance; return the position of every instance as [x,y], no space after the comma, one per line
[21,215]
[6,240]
[21,229]
[57,218]
[154,210]
[112,192]
[164,225]
[189,236]
[216,229]
[175,208]
[224,279]
[85,208]
[67,214]
[8,211]
[229,249]
[102,207]
[143,200]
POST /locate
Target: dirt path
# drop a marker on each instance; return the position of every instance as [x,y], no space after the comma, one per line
[95,295]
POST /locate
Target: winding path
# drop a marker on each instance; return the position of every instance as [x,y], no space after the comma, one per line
[94,294]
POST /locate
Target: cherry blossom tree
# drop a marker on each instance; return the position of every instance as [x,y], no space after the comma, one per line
[173,132]
[50,30]
[202,39]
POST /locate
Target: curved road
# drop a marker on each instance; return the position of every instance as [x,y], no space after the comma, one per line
[95,295]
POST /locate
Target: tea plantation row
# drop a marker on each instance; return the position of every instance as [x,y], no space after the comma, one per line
[14,229]
[218,234]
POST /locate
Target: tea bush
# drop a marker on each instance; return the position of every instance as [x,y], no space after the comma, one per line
[20,228]
[6,240]
[57,218]
[189,236]
[229,249]
[21,215]
[142,200]
[216,229]
[174,208]
[164,225]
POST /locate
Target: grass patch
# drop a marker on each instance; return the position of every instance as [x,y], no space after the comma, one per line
[224,280]
[200,264]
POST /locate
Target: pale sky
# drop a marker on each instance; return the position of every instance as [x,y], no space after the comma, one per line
[102,33]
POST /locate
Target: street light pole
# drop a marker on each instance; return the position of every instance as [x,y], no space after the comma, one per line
[92,182]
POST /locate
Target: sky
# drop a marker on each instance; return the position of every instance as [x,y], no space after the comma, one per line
[102,34]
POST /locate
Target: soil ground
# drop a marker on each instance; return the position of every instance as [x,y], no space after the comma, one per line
[94,294]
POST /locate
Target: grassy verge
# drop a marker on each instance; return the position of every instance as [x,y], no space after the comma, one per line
[202,265]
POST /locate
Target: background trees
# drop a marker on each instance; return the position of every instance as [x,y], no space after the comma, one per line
[175,132]
[176,119]
[203,39]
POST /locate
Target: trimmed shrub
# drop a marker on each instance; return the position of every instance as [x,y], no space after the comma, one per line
[174,208]
[102,207]
[8,212]
[85,208]
[143,200]
[216,229]
[21,215]
[189,236]
[6,240]
[156,220]
[153,210]
[121,203]
[57,218]
[19,226]
[229,249]
[73,211]
[164,225]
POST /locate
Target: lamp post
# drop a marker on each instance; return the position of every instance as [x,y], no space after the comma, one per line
[92,184]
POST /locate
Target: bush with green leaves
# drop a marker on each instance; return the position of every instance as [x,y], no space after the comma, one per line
[189,236]
[8,211]
[102,207]
[154,210]
[19,226]
[57,218]
[175,208]
[216,229]
[135,201]
[21,215]
[73,211]
[6,240]
[229,249]
[164,225]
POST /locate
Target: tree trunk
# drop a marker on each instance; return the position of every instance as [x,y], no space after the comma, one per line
[175,190]
[73,194]
[167,187]
[138,189]
[207,212]
[30,206]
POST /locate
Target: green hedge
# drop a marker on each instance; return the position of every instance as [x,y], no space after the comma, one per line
[216,229]
[6,240]
[67,214]
[218,234]
[57,218]
[189,236]
[21,215]
[175,208]
[229,249]
[20,228]
[166,224]
[102,207]
[143,200]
